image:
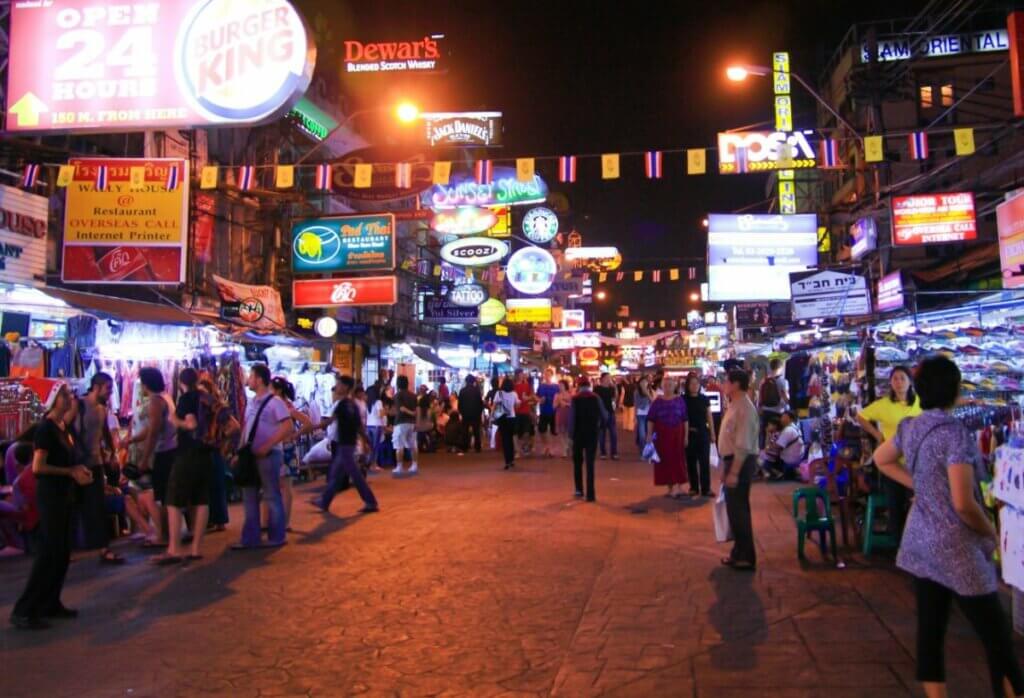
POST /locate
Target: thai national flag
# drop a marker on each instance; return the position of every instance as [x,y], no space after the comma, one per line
[29,178]
[691,273]
[829,153]
[403,175]
[484,171]
[918,145]
[323,176]
[172,178]
[656,274]
[567,168]
[620,275]
[246,175]
[101,178]
[652,164]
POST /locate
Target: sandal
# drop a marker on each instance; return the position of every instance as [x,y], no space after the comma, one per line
[111,558]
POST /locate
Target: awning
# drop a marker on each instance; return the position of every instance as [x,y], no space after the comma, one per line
[123,308]
[429,355]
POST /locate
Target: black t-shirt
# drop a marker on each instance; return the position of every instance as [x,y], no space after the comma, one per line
[629,395]
[607,395]
[57,444]
[406,399]
[697,412]
[349,421]
[188,403]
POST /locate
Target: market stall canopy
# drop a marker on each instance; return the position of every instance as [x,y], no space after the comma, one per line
[429,355]
[123,308]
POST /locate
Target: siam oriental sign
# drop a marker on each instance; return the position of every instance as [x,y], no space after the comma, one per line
[102,66]
[903,47]
[327,293]
[924,219]
[465,220]
[420,56]
[504,189]
[345,243]
[763,151]
[474,252]
[472,128]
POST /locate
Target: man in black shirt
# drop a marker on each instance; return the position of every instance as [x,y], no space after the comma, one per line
[471,407]
[585,419]
[350,428]
[607,392]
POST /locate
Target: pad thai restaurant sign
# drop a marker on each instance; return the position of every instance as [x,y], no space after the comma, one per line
[23,219]
[100,65]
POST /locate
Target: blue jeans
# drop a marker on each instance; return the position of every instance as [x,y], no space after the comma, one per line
[270,470]
[608,429]
[641,430]
[375,434]
[344,462]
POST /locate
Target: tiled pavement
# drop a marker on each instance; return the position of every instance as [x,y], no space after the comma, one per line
[478,582]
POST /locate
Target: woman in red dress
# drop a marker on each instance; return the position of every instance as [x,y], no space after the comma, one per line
[667,430]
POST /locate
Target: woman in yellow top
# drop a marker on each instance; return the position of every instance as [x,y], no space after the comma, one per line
[888,412]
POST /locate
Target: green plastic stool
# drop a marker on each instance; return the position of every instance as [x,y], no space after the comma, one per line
[822,522]
[872,539]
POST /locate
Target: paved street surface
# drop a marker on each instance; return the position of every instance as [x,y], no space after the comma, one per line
[478,582]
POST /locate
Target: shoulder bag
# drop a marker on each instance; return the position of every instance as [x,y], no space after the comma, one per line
[245,471]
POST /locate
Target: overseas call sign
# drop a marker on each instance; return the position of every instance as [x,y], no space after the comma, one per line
[96,65]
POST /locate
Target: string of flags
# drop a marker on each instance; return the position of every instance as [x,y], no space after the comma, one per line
[672,323]
[654,275]
[284,176]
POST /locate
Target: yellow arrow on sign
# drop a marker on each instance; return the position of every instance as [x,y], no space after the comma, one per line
[28,109]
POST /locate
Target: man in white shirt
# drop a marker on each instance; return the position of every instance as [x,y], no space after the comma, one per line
[738,448]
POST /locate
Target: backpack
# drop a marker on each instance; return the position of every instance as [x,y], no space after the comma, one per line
[770,395]
[208,429]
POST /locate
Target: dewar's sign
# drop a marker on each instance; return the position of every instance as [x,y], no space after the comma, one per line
[422,55]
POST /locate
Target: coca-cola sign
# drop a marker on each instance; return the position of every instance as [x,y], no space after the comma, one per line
[326,293]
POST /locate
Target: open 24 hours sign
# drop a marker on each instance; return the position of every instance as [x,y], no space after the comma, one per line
[344,243]
[101,65]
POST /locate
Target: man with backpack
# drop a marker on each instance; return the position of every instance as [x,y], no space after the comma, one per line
[772,397]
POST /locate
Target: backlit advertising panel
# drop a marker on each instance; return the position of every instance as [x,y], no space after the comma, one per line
[928,219]
[751,256]
[528,310]
[504,189]
[890,293]
[344,243]
[763,151]
[328,293]
[419,55]
[95,65]
[1010,222]
[464,129]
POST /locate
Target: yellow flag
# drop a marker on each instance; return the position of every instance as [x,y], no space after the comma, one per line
[597,325]
[874,149]
[285,177]
[442,172]
[524,169]
[662,323]
[437,270]
[610,166]
[602,277]
[673,275]
[208,177]
[136,178]
[638,276]
[696,161]
[364,176]
[65,174]
[964,139]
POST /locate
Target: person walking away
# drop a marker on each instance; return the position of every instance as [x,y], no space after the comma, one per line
[404,436]
[471,407]
[156,438]
[772,397]
[586,417]
[189,483]
[901,402]
[785,451]
[268,424]
[643,398]
[948,542]
[667,429]
[606,391]
[701,426]
[629,404]
[503,413]
[547,426]
[524,413]
[350,429]
[56,475]
[227,429]
[284,390]
[96,446]
[563,405]
[492,423]
[738,448]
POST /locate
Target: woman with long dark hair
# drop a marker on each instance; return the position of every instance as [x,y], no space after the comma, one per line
[702,434]
[57,476]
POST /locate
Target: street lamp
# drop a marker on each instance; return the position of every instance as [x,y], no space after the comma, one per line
[739,73]
[694,296]
[601,295]
[405,112]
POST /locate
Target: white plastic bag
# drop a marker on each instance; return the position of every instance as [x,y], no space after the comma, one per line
[720,515]
[713,459]
[320,453]
[650,454]
[494,436]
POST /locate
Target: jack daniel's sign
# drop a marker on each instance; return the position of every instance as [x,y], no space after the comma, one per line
[463,128]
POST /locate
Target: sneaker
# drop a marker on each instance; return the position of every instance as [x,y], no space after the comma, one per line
[397,471]
[414,469]
[577,494]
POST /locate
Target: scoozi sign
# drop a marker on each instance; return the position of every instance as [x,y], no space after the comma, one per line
[326,293]
[474,251]
[346,243]
[393,56]
[761,151]
[94,65]
[504,189]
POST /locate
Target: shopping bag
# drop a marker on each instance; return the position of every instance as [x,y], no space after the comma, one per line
[494,435]
[713,459]
[650,454]
[720,515]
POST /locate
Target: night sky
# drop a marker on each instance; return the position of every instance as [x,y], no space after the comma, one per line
[591,77]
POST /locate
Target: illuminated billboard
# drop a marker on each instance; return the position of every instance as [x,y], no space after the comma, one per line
[88,65]
[596,259]
[751,256]
[928,219]
[763,151]
[422,55]
[504,189]
[464,129]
